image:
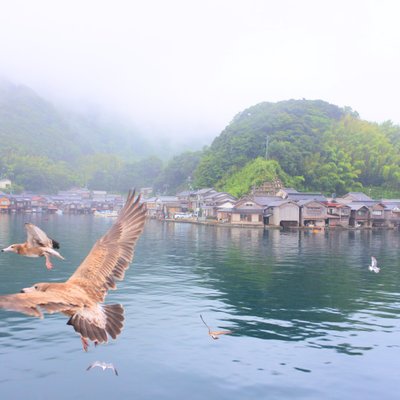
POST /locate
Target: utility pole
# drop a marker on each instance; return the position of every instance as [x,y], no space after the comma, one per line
[266,147]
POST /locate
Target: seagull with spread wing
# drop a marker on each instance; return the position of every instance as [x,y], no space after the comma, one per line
[81,297]
[37,244]
[374,265]
[214,334]
[102,365]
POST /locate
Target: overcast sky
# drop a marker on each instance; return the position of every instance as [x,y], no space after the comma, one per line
[182,66]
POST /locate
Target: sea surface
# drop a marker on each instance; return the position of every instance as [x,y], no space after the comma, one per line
[308,319]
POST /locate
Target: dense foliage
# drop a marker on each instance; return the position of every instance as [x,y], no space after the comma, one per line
[310,145]
[319,145]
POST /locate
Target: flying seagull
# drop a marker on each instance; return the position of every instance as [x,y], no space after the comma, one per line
[214,334]
[374,265]
[103,365]
[81,297]
[37,244]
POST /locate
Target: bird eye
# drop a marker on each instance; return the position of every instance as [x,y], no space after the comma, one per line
[36,287]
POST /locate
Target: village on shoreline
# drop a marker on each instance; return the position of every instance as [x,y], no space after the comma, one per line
[267,206]
[273,206]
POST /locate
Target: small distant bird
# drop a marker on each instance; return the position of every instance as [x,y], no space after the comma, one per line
[82,296]
[374,265]
[214,334]
[37,244]
[102,365]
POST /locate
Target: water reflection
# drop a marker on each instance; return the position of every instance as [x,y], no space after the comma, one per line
[299,304]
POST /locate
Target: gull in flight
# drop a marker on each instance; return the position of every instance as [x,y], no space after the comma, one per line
[37,244]
[214,334]
[102,365]
[82,296]
[374,265]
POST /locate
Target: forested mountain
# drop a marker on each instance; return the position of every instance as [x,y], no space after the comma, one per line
[30,125]
[310,145]
[317,146]
[46,149]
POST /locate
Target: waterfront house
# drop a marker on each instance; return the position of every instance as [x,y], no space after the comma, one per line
[359,215]
[247,212]
[20,203]
[213,201]
[38,203]
[377,215]
[164,207]
[283,213]
[151,207]
[99,195]
[312,213]
[392,213]
[199,202]
[337,214]
[224,211]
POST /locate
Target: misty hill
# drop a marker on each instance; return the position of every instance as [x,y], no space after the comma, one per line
[30,125]
[315,145]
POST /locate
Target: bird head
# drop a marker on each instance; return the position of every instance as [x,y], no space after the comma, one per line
[14,248]
[37,287]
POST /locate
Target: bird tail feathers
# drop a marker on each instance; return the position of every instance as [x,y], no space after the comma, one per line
[114,314]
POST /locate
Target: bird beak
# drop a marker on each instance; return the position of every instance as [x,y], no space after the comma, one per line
[28,290]
[7,249]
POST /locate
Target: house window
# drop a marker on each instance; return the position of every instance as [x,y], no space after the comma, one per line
[377,212]
[361,213]
[245,217]
[249,204]
[314,210]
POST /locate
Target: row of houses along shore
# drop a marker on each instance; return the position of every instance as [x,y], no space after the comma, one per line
[277,208]
[74,201]
[269,206]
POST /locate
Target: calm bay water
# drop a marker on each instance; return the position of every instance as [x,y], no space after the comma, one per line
[309,320]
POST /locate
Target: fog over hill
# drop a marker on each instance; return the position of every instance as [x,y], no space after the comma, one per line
[32,125]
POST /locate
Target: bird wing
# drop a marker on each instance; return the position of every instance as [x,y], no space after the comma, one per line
[31,303]
[221,332]
[94,364]
[36,237]
[374,263]
[111,254]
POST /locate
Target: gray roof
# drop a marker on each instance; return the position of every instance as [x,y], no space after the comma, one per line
[266,200]
[360,196]
[306,201]
[357,206]
[306,196]
[278,203]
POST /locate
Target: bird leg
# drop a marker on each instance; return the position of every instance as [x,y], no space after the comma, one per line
[85,343]
[49,265]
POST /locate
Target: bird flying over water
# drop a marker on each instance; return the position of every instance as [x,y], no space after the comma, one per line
[81,297]
[37,244]
[214,334]
[374,265]
[102,365]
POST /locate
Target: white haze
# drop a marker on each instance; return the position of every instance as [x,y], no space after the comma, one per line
[184,68]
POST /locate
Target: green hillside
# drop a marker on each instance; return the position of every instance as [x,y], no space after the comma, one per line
[318,146]
[46,149]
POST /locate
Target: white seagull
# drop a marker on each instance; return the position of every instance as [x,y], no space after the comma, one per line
[374,265]
[102,365]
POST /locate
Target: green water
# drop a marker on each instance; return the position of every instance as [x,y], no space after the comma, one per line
[309,320]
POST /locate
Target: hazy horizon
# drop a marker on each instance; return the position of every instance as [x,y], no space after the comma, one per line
[182,69]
